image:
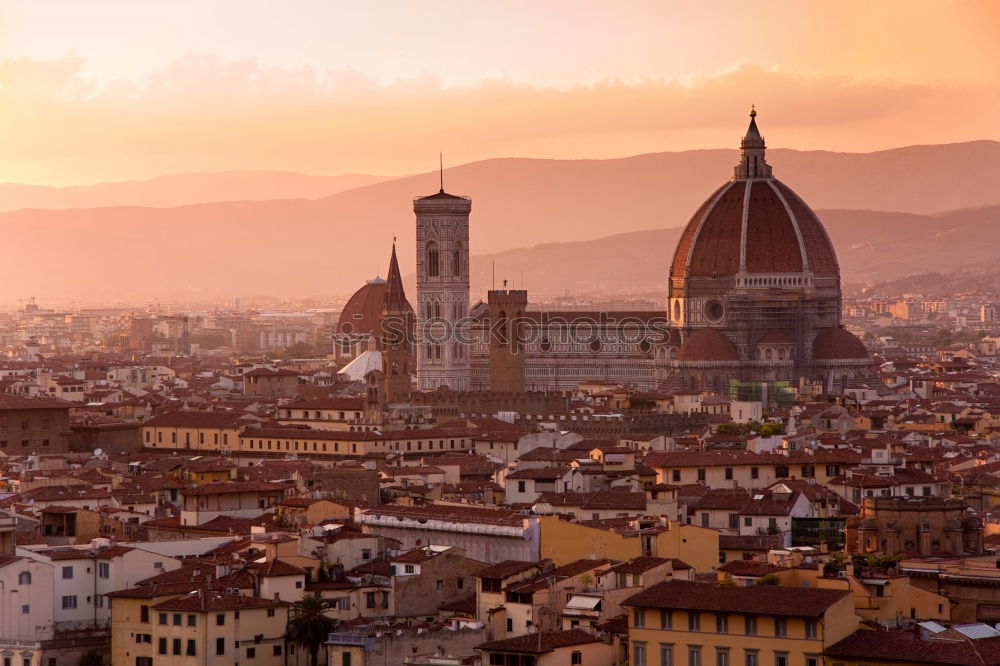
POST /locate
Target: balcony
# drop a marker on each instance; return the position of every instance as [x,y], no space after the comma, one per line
[336,638]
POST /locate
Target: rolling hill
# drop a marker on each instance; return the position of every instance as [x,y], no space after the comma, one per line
[586,222]
[871,246]
[181,189]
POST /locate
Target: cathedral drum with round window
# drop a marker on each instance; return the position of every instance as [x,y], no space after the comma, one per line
[754,287]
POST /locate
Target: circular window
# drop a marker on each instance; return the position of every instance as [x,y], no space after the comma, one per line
[645,346]
[545,345]
[595,345]
[714,311]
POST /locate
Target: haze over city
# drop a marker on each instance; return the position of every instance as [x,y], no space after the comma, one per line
[455,333]
[234,101]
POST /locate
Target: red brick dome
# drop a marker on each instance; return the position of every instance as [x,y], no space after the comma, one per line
[707,345]
[759,225]
[754,224]
[363,311]
[837,343]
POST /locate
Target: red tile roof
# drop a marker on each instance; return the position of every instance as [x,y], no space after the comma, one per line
[202,600]
[542,642]
[899,646]
[542,580]
[9,401]
[505,569]
[760,599]
[340,404]
[539,473]
[191,419]
[229,487]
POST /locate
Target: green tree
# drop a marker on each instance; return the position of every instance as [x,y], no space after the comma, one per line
[309,625]
[769,429]
[768,579]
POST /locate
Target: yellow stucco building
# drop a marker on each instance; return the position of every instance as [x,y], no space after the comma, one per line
[682,622]
[196,628]
[564,542]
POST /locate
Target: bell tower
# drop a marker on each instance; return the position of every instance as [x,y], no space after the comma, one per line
[443,291]
[396,333]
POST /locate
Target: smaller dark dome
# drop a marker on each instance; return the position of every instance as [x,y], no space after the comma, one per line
[363,311]
[707,344]
[837,343]
[777,336]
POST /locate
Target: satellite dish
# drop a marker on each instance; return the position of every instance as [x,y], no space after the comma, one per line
[98,453]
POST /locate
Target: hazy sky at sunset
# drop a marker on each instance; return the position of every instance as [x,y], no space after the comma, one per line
[101,90]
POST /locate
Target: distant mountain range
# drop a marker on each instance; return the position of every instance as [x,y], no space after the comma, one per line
[583,223]
[871,246]
[182,189]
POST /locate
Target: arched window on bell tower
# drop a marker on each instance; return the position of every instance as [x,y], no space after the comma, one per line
[433,265]
[456,260]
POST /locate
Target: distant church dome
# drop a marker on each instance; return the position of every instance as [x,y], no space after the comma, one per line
[838,343]
[754,224]
[363,311]
[707,345]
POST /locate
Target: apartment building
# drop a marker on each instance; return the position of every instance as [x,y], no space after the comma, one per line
[682,622]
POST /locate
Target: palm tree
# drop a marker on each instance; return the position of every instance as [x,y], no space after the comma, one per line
[309,625]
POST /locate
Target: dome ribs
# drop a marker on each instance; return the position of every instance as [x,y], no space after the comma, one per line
[819,250]
[716,248]
[772,245]
[683,249]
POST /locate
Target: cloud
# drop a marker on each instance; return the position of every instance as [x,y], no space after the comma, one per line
[207,113]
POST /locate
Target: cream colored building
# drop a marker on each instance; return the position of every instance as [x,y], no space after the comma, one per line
[680,622]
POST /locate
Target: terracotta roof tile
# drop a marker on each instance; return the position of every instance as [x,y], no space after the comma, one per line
[762,599]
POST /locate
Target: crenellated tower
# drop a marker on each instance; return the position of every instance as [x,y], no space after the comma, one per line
[507,309]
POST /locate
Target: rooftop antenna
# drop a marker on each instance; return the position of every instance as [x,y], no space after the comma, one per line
[441,169]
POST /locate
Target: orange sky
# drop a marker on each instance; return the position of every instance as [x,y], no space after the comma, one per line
[118,89]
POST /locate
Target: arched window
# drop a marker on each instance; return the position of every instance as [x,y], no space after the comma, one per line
[456,260]
[781,353]
[429,310]
[768,354]
[437,309]
[433,266]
